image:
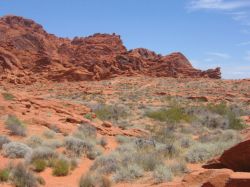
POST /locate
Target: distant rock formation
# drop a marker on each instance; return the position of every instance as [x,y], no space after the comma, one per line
[29,54]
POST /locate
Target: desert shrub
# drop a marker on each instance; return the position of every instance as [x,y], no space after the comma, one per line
[230,113]
[73,163]
[77,146]
[40,180]
[198,153]
[213,121]
[129,173]
[3,140]
[88,116]
[4,175]
[53,144]
[92,154]
[34,141]
[103,142]
[186,142]
[87,181]
[61,168]
[16,150]
[104,182]
[111,112]
[49,134]
[168,150]
[8,96]
[43,153]
[162,174]
[178,167]
[55,129]
[149,161]
[15,126]
[22,177]
[235,122]
[86,131]
[39,165]
[122,139]
[172,115]
[106,164]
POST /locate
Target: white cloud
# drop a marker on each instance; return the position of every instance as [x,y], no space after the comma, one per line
[218,4]
[219,55]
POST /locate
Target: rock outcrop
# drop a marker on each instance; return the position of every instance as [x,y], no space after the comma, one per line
[29,54]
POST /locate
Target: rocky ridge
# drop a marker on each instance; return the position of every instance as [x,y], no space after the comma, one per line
[29,54]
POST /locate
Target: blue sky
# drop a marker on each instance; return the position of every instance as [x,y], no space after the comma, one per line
[209,32]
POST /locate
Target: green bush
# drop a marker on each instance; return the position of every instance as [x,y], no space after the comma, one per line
[4,175]
[8,96]
[39,165]
[15,126]
[61,168]
[172,115]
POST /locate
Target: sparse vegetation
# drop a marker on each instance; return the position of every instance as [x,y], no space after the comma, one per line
[61,167]
[87,181]
[3,140]
[15,126]
[49,134]
[8,96]
[39,165]
[4,175]
[77,146]
[16,150]
[172,115]
[22,177]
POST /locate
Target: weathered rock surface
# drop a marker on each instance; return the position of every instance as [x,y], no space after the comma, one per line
[236,158]
[29,54]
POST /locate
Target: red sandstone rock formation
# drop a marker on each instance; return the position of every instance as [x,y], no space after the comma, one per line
[29,54]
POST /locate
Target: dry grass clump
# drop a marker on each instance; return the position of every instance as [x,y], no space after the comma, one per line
[15,126]
[3,140]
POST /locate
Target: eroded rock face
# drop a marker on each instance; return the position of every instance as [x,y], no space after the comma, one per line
[29,54]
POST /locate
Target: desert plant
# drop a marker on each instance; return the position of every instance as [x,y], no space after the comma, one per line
[49,134]
[86,131]
[103,142]
[106,164]
[77,146]
[4,175]
[129,173]
[162,174]
[61,168]
[16,150]
[197,153]
[178,167]
[104,182]
[39,165]
[53,144]
[43,153]
[8,96]
[22,177]
[149,161]
[3,140]
[34,141]
[111,112]
[172,115]
[87,181]
[15,126]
